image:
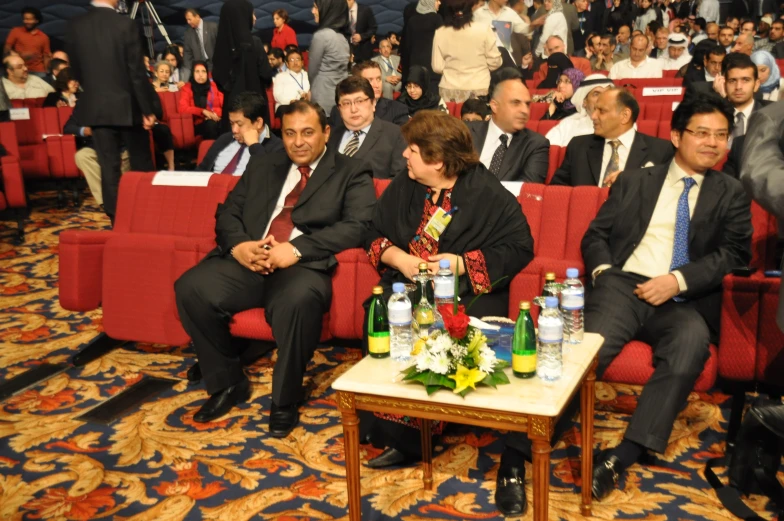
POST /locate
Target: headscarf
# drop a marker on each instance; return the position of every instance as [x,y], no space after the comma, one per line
[429,100]
[333,14]
[766,58]
[588,84]
[233,41]
[201,91]
[426,6]
[556,64]
[576,76]
[557,7]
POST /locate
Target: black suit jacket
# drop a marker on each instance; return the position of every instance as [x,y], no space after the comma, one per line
[332,211]
[270,145]
[106,59]
[381,150]
[366,28]
[719,234]
[191,49]
[582,164]
[732,165]
[527,156]
[386,109]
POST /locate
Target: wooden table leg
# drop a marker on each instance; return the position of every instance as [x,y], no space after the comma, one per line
[587,397]
[351,445]
[427,454]
[539,433]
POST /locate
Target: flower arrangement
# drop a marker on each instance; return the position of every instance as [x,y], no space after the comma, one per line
[457,358]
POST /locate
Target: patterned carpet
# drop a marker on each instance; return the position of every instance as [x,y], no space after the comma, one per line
[155,463]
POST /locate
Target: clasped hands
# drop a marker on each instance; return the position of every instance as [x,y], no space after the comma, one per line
[408,265]
[658,290]
[265,256]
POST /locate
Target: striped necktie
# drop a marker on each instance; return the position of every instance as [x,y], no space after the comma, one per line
[353,144]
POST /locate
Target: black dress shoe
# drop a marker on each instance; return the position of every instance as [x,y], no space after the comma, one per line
[390,457]
[510,491]
[771,416]
[282,420]
[222,402]
[605,475]
[194,374]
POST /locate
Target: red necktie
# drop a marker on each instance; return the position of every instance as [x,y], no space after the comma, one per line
[232,166]
[282,225]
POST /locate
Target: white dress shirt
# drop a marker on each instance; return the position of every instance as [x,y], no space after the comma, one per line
[287,87]
[348,134]
[506,14]
[555,25]
[352,16]
[626,139]
[668,64]
[570,127]
[709,9]
[225,156]
[34,87]
[292,179]
[492,142]
[648,68]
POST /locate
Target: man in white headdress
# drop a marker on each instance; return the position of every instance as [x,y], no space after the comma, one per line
[580,124]
[677,56]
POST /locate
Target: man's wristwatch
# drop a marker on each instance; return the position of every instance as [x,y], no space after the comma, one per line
[297,254]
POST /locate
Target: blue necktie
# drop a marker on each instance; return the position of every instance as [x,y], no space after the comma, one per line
[680,246]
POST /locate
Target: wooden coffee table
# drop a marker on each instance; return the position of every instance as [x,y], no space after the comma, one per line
[531,406]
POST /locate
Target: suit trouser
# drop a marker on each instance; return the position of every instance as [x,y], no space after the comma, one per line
[294,299]
[678,335]
[107,142]
[87,161]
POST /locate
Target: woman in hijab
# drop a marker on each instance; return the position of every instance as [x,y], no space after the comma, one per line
[240,63]
[561,105]
[768,73]
[556,65]
[418,95]
[202,99]
[416,48]
[554,25]
[329,53]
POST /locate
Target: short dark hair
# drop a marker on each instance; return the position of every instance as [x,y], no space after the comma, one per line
[56,63]
[64,77]
[174,50]
[738,60]
[303,106]
[716,50]
[702,103]
[293,52]
[252,105]
[441,138]
[283,14]
[610,37]
[777,21]
[701,23]
[723,27]
[363,66]
[192,11]
[289,48]
[624,25]
[352,85]
[590,37]
[475,106]
[747,21]
[458,13]
[625,100]
[33,11]
[277,53]
[500,76]
[654,26]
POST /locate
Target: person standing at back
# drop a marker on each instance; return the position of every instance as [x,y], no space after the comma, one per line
[106,60]
[198,42]
[363,27]
[329,52]
[30,42]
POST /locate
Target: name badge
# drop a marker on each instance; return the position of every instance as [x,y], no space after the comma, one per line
[662,91]
[438,223]
[19,114]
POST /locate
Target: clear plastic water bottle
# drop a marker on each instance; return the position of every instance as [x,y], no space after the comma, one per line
[399,312]
[444,284]
[572,307]
[549,343]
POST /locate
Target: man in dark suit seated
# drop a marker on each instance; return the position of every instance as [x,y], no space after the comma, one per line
[597,159]
[657,252]
[360,135]
[508,149]
[386,109]
[231,152]
[277,233]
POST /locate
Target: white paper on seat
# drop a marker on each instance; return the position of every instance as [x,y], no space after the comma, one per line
[513,186]
[662,91]
[19,114]
[675,105]
[177,178]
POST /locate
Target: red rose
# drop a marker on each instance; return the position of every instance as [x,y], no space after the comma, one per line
[456,325]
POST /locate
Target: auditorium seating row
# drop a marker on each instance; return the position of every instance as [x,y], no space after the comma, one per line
[12,192]
[161,231]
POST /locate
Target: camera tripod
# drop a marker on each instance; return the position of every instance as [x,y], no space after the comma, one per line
[149,17]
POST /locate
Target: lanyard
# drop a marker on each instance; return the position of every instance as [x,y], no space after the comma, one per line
[389,64]
[300,85]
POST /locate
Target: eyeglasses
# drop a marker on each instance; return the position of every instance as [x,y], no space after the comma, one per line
[346,104]
[721,135]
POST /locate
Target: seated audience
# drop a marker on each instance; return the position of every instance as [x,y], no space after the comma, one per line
[705,66]
[614,147]
[623,38]
[657,252]
[360,135]
[292,84]
[276,239]
[698,26]
[61,55]
[555,45]
[55,66]
[389,64]
[172,55]
[581,123]
[66,90]
[555,25]
[726,38]
[605,58]
[638,64]
[277,60]
[769,75]
[249,137]
[677,55]
[417,95]
[282,35]
[201,98]
[660,43]
[556,64]
[744,44]
[474,110]
[506,148]
[162,79]
[386,109]
[488,233]
[19,84]
[561,105]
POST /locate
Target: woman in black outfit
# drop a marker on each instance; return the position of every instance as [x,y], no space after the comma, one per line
[416,46]
[240,63]
[66,90]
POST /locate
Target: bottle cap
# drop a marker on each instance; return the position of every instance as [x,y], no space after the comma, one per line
[443,264]
[378,290]
[399,287]
[524,304]
[551,302]
[549,276]
[423,266]
[572,273]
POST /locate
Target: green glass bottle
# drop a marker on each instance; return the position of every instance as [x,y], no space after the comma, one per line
[524,344]
[378,325]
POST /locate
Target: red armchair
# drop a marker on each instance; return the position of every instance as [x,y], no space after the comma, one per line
[12,190]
